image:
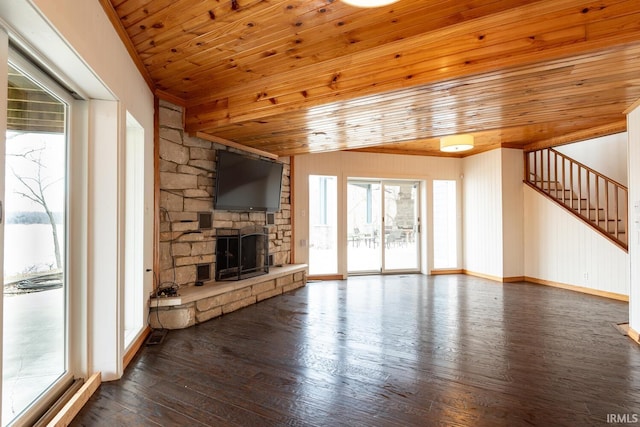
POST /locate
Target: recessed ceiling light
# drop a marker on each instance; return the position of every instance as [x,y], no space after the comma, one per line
[369,3]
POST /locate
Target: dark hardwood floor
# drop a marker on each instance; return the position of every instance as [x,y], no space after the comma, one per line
[407,350]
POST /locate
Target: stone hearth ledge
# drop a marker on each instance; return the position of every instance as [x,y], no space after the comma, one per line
[197,304]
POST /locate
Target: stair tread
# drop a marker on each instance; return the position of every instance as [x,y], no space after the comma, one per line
[575,198]
[590,208]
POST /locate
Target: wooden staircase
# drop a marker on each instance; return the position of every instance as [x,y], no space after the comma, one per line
[594,198]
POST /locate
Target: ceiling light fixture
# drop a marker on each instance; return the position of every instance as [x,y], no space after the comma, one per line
[455,143]
[369,3]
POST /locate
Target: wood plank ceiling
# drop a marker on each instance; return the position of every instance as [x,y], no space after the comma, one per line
[299,76]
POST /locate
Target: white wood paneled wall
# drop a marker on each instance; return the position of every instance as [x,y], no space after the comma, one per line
[561,248]
[482,207]
[633,128]
[512,213]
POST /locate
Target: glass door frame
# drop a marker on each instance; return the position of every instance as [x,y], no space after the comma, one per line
[383,182]
[418,227]
[71,292]
[329,241]
[367,237]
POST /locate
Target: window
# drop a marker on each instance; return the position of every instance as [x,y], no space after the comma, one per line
[323,219]
[322,200]
[445,219]
[134,316]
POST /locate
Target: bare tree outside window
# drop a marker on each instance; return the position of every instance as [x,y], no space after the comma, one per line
[35,188]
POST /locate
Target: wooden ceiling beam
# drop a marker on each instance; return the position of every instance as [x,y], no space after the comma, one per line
[232,144]
[161,94]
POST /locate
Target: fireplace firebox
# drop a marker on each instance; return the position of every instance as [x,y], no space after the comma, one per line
[241,253]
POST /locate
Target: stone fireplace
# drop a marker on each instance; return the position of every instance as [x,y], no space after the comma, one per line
[189,240]
[187,181]
[241,253]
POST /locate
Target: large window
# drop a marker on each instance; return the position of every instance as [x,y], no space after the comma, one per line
[134,316]
[445,235]
[323,221]
[35,308]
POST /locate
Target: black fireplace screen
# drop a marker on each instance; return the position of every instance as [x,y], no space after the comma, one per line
[241,253]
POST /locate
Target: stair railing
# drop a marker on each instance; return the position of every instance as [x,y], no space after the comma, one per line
[596,199]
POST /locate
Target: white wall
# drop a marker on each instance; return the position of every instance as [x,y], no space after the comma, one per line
[633,128]
[512,213]
[511,231]
[482,219]
[363,165]
[88,31]
[561,248]
[104,244]
[606,154]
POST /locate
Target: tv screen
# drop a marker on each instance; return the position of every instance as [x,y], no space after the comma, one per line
[247,184]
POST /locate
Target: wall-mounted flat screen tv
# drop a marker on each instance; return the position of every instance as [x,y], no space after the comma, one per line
[247,184]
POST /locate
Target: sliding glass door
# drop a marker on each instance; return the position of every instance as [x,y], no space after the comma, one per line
[383,226]
[35,308]
[364,226]
[401,226]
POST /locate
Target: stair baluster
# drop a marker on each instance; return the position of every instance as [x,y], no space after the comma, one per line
[580,192]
